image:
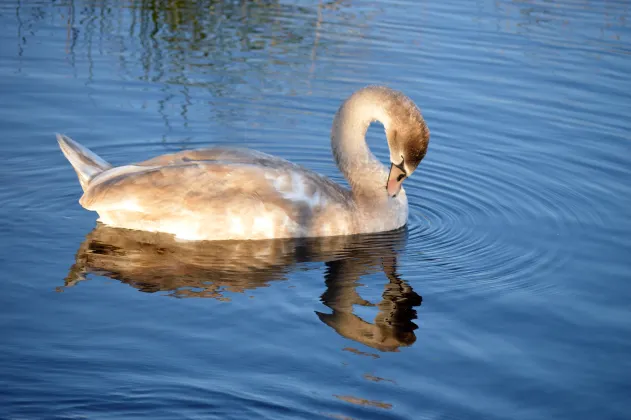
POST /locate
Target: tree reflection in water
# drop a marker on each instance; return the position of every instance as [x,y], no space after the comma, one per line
[196,61]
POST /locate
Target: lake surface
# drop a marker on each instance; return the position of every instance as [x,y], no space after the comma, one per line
[507,296]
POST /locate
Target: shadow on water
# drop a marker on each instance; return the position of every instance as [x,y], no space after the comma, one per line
[153,262]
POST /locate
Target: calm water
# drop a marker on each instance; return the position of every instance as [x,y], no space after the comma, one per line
[506,297]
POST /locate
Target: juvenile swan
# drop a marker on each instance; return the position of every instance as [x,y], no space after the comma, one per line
[219,193]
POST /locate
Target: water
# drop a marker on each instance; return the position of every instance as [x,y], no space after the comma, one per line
[507,296]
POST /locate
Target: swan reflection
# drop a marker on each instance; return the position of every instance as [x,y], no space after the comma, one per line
[153,262]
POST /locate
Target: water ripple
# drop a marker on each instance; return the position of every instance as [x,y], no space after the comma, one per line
[454,214]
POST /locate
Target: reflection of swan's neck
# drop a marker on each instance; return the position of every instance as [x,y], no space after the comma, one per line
[348,139]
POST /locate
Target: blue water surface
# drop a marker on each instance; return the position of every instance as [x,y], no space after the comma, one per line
[506,297]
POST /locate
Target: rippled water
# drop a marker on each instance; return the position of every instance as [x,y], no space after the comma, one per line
[507,296]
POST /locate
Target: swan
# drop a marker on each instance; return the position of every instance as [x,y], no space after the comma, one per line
[241,194]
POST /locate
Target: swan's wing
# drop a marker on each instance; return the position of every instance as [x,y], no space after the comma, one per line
[219,192]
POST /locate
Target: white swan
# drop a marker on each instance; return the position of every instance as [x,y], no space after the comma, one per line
[218,193]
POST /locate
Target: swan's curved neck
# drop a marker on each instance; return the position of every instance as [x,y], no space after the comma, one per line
[360,167]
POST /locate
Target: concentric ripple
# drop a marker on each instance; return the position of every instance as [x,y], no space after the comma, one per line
[483,229]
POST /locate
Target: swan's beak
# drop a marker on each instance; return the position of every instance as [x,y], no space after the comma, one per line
[395,179]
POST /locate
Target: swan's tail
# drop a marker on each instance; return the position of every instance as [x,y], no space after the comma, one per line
[86,163]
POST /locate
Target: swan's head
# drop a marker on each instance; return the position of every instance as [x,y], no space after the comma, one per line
[408,138]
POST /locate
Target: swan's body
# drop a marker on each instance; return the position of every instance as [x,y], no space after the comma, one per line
[217,193]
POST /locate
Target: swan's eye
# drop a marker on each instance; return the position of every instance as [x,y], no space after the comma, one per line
[400,177]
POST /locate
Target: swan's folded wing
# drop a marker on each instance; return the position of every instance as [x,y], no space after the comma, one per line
[204,187]
[148,189]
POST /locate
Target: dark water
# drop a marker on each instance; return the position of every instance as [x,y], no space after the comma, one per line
[507,296]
